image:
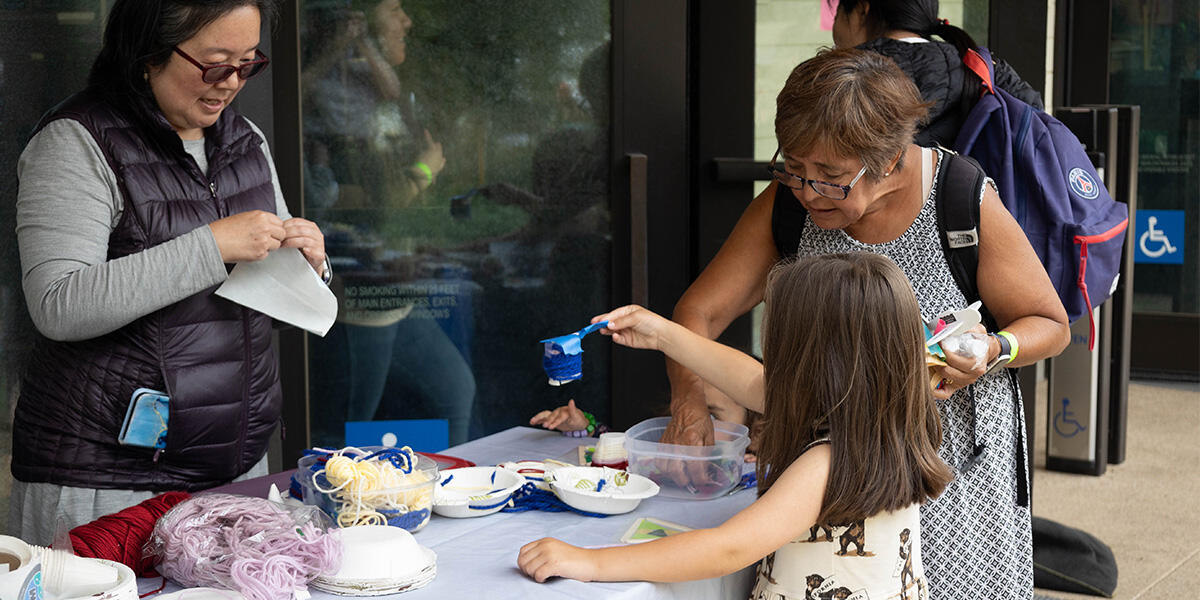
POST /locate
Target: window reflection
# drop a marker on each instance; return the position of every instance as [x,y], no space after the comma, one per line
[456,159]
[47,50]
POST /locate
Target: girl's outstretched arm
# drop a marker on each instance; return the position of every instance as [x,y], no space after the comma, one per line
[734,373]
[784,513]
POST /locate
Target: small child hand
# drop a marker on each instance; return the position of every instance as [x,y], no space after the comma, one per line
[563,418]
[549,557]
[635,327]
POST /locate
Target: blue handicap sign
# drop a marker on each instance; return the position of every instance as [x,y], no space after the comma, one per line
[1064,421]
[1159,237]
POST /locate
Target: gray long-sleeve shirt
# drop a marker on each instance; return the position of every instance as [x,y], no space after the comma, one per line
[68,203]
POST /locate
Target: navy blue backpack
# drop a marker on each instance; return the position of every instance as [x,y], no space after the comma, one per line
[1047,182]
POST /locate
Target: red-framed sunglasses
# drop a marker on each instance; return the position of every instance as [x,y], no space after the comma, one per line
[219,73]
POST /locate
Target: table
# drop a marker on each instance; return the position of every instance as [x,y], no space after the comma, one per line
[477,557]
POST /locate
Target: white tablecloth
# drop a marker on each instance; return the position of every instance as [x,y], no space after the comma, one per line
[477,557]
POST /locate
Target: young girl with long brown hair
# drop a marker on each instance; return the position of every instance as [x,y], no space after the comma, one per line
[848,452]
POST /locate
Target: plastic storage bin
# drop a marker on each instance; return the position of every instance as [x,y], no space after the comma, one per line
[406,506]
[705,471]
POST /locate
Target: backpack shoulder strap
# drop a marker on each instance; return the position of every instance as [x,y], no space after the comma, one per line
[787,221]
[979,62]
[959,185]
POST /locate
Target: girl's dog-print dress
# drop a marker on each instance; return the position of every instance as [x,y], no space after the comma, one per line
[877,558]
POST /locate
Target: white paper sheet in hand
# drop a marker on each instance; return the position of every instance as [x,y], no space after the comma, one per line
[285,287]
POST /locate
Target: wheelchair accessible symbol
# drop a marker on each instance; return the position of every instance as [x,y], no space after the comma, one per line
[1160,236]
[1065,423]
[1157,239]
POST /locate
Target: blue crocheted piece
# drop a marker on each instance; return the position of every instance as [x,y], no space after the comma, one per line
[563,367]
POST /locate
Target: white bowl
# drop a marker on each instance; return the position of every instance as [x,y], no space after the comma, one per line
[577,486]
[474,491]
[379,552]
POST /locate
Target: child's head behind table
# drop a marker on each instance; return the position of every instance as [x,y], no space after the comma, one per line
[843,359]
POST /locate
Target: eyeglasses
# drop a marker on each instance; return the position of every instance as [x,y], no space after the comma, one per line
[824,188]
[219,73]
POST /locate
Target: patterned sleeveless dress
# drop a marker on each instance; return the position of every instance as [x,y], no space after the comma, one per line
[977,540]
[876,558]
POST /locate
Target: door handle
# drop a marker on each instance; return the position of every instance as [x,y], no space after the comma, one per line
[740,170]
[639,266]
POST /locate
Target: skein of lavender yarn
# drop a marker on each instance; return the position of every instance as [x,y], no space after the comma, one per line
[254,546]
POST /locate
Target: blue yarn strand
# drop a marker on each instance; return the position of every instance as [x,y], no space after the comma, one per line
[530,497]
[400,459]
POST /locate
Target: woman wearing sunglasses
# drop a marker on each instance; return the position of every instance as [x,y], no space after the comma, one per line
[848,178]
[136,197]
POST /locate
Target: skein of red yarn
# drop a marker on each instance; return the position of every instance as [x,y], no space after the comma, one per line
[121,536]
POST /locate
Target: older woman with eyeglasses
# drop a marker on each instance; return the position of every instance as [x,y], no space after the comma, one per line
[136,197]
[849,179]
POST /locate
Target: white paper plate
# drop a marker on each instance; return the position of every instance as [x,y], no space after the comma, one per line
[577,487]
[474,491]
[380,587]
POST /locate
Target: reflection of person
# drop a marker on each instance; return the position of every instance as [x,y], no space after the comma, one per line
[135,197]
[374,159]
[850,437]
[845,121]
[902,30]
[567,234]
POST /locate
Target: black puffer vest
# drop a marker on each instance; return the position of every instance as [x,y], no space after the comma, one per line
[211,356]
[942,80]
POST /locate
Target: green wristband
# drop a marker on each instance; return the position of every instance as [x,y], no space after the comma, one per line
[424,168]
[1012,343]
[591,428]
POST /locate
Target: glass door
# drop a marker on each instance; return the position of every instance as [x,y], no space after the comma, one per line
[1153,62]
[487,175]
[456,157]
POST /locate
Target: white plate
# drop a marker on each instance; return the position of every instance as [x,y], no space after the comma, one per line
[380,587]
[577,487]
[474,491]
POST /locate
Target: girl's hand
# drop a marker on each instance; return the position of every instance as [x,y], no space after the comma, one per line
[960,371]
[248,236]
[549,557]
[635,327]
[305,235]
[563,418]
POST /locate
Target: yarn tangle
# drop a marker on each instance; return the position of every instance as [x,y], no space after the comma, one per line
[530,497]
[121,536]
[254,546]
[374,488]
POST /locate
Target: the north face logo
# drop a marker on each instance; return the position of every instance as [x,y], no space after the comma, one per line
[962,239]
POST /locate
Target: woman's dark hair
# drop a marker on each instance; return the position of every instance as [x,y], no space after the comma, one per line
[141,33]
[843,357]
[917,16]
